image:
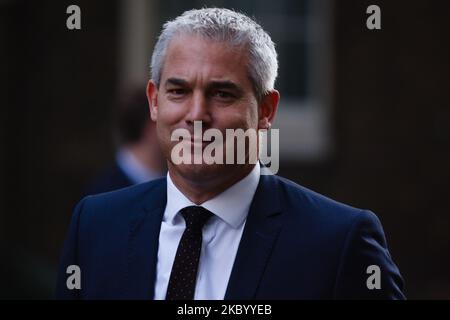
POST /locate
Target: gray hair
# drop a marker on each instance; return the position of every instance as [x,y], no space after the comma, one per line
[228,26]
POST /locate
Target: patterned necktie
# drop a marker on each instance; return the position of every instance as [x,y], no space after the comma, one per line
[184,270]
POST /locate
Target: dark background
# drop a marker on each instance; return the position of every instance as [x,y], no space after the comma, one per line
[391,128]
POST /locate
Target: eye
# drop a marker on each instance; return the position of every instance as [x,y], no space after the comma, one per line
[223,94]
[176,92]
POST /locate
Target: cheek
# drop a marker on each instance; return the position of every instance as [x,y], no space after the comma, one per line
[169,114]
[165,121]
[160,132]
[236,119]
[246,116]
[163,134]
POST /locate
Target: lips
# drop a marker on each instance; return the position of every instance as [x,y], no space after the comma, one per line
[200,141]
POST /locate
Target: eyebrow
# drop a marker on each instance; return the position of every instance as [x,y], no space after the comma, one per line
[176,82]
[225,84]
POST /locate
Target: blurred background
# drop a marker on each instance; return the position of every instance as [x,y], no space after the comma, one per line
[364,118]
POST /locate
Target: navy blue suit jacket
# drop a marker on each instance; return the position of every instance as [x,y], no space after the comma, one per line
[296,244]
[112,178]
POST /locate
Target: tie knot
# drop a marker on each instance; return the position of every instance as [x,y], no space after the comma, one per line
[195,217]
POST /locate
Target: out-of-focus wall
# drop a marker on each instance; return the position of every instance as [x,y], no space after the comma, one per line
[391,119]
[61,86]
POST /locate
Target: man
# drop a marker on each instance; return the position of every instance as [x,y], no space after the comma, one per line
[138,158]
[221,231]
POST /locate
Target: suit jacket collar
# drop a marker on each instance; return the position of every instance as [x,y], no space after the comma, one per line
[259,236]
[143,242]
[260,233]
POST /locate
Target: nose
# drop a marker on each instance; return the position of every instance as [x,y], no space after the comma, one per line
[198,110]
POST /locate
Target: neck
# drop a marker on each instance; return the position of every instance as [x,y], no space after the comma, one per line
[201,190]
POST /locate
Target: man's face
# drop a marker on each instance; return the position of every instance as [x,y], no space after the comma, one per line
[202,80]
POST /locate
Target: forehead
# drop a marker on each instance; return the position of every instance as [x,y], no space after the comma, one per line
[194,57]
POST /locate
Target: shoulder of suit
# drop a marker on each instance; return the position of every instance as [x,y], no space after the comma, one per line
[131,194]
[295,197]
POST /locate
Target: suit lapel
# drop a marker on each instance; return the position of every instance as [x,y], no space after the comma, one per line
[261,230]
[260,233]
[144,228]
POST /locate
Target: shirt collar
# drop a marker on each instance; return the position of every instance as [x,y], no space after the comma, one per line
[240,195]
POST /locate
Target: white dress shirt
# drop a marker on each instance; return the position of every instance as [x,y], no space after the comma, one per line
[221,236]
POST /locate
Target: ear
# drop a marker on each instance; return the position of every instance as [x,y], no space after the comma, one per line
[267,109]
[152,97]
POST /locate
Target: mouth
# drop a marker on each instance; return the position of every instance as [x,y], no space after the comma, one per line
[199,142]
[202,142]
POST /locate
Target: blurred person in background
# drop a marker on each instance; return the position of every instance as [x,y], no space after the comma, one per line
[138,158]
